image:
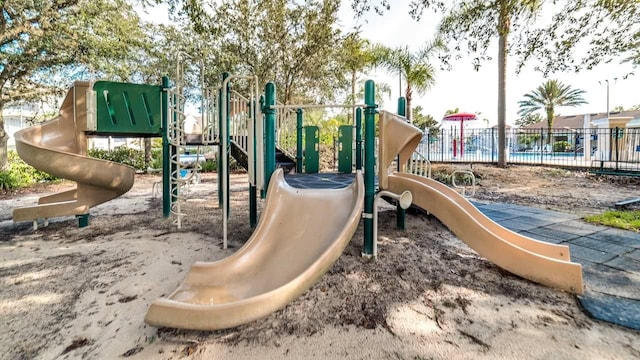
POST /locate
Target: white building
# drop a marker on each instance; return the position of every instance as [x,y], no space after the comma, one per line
[17,118]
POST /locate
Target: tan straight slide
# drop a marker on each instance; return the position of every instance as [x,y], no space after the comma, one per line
[544,263]
[525,257]
[301,233]
[59,147]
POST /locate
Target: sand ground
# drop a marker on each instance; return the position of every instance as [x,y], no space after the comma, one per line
[70,292]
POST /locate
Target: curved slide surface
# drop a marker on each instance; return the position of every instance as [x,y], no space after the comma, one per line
[547,264]
[301,233]
[59,147]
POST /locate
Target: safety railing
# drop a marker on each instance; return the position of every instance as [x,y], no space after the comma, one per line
[240,113]
[286,130]
[602,148]
[418,164]
[210,126]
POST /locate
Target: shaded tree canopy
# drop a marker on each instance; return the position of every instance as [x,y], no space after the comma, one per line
[291,43]
[47,44]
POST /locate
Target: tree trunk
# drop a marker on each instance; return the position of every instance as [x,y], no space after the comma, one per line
[408,96]
[351,115]
[502,85]
[147,152]
[549,125]
[3,143]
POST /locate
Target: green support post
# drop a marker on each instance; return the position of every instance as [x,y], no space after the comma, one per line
[311,149]
[270,133]
[299,119]
[166,163]
[83,220]
[369,164]
[262,138]
[358,139]
[400,212]
[253,201]
[345,149]
[219,159]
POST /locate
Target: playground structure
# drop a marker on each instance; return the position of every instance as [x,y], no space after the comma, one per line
[276,264]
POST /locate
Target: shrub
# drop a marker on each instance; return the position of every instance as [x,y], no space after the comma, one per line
[561,146]
[121,154]
[20,174]
[209,166]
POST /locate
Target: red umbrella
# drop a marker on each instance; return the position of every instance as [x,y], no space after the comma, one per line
[460,117]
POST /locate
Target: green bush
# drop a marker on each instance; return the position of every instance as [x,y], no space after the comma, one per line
[20,174]
[209,166]
[561,146]
[156,158]
[121,154]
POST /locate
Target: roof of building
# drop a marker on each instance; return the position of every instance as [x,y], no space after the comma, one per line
[577,121]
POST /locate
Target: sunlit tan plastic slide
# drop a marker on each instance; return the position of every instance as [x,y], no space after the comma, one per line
[59,147]
[301,233]
[544,263]
[515,253]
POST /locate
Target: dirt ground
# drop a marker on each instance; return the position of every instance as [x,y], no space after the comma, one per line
[70,292]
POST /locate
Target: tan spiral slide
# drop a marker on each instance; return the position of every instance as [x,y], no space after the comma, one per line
[544,263]
[59,147]
[301,233]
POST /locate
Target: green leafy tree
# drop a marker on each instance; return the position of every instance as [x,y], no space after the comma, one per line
[46,44]
[414,67]
[528,119]
[452,111]
[289,42]
[547,97]
[426,122]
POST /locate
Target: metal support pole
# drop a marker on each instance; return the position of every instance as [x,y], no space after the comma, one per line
[369,165]
[166,163]
[299,118]
[270,133]
[400,213]
[359,139]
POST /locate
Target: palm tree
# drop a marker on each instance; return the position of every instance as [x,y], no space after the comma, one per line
[547,97]
[418,73]
[357,55]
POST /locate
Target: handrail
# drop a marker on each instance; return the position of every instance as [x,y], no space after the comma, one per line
[416,168]
[463,188]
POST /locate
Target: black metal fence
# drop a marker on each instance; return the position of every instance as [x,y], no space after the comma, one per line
[600,149]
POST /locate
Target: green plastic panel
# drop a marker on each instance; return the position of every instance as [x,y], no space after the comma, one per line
[311,149]
[345,149]
[123,108]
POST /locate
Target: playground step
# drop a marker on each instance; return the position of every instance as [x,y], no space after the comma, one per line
[284,162]
[238,153]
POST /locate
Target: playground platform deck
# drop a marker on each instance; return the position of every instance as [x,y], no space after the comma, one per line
[320,180]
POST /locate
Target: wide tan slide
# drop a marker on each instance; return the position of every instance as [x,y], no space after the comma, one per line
[544,263]
[59,147]
[301,233]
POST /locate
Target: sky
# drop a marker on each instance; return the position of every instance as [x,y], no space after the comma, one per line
[468,89]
